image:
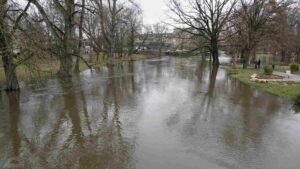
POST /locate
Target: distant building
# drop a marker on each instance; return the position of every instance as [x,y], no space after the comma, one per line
[177,41]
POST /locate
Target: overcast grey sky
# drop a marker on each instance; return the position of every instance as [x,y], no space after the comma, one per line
[153,10]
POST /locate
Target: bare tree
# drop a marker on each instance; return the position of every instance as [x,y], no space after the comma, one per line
[63,32]
[135,25]
[250,20]
[8,28]
[160,37]
[108,11]
[205,18]
[294,21]
[284,25]
[80,38]
[118,23]
[92,30]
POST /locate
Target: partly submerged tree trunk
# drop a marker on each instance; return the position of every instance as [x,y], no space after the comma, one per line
[246,56]
[131,41]
[7,59]
[212,80]
[66,60]
[65,69]
[80,42]
[76,68]
[215,51]
[6,45]
[65,36]
[12,83]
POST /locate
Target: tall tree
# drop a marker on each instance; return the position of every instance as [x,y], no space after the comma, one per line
[64,32]
[8,28]
[80,38]
[281,32]
[204,18]
[134,23]
[250,20]
[108,11]
[160,36]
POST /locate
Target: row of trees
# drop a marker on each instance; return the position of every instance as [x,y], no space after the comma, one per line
[242,26]
[265,26]
[36,29]
[205,19]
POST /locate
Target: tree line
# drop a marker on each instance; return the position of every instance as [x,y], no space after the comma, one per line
[242,27]
[36,30]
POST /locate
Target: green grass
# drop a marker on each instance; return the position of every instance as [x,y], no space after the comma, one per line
[288,91]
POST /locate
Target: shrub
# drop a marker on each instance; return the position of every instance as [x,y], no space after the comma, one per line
[268,70]
[294,68]
[297,101]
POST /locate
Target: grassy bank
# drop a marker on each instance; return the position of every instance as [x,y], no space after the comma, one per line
[49,69]
[286,90]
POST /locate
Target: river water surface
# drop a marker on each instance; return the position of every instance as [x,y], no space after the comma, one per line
[167,113]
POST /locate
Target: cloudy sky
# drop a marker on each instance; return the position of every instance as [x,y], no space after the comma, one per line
[153,10]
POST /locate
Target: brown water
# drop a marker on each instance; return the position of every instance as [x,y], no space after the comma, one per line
[157,114]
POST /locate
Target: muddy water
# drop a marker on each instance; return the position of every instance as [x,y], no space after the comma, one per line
[155,114]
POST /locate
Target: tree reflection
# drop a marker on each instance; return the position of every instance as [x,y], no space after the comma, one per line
[113,151]
[200,71]
[208,98]
[73,139]
[14,120]
[71,99]
[132,72]
[104,147]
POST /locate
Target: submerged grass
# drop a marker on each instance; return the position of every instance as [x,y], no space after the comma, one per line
[288,91]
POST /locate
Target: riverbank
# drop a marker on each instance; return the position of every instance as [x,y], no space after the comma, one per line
[50,68]
[286,90]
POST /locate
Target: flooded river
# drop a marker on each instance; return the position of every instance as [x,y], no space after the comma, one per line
[167,113]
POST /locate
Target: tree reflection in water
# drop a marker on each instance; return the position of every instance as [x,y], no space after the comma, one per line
[14,120]
[73,141]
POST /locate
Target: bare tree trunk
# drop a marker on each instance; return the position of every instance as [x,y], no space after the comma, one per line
[12,83]
[282,55]
[112,32]
[76,69]
[65,65]
[215,51]
[131,41]
[7,56]
[246,56]
[68,41]
[66,36]
[285,56]
[66,58]
[159,50]
[9,68]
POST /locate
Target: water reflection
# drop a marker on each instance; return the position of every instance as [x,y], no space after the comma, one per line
[101,147]
[14,119]
[166,113]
